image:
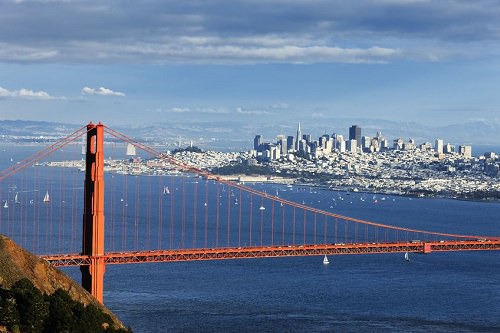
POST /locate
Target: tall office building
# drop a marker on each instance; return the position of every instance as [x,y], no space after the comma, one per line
[355,133]
[281,140]
[466,151]
[351,146]
[299,136]
[257,142]
[290,143]
[439,146]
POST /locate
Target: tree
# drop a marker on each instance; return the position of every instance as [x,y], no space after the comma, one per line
[32,307]
[61,317]
[9,316]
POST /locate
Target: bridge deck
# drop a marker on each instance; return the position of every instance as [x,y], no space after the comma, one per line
[275,251]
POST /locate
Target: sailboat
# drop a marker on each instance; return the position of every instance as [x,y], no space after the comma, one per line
[46,198]
[407,258]
[6,205]
[16,199]
[262,208]
[166,190]
[325,260]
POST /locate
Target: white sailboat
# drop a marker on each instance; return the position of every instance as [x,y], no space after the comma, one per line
[407,258]
[325,260]
[46,198]
[5,205]
[16,198]
[166,190]
[262,208]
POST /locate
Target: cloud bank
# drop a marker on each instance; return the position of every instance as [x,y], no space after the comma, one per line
[241,32]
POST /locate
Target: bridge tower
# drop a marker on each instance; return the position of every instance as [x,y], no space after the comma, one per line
[93,213]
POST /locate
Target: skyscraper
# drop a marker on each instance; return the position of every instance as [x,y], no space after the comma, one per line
[257,142]
[439,146]
[355,133]
[298,137]
[290,143]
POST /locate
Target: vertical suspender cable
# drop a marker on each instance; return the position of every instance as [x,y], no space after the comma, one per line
[250,220]
[239,219]
[172,194]
[183,210]
[229,191]
[195,209]
[217,215]
[206,213]
[272,222]
[325,231]
[261,218]
[283,225]
[305,221]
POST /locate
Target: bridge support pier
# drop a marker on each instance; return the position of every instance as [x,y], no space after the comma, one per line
[93,213]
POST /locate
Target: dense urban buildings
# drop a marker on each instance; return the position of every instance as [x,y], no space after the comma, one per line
[302,145]
[403,168]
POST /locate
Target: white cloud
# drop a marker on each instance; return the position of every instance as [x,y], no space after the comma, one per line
[213,110]
[252,112]
[24,94]
[101,91]
[179,110]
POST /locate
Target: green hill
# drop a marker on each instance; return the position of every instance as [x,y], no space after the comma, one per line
[36,297]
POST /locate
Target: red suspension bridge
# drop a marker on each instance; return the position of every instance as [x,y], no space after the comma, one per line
[159,209]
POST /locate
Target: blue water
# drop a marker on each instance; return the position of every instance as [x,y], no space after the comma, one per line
[438,292]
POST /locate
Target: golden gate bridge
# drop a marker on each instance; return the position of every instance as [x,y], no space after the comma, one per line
[161,209]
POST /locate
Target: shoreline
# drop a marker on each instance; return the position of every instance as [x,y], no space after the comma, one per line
[347,185]
[349,188]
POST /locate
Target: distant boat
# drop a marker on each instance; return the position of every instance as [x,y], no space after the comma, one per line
[46,198]
[262,208]
[325,260]
[5,205]
[407,258]
[16,199]
[166,190]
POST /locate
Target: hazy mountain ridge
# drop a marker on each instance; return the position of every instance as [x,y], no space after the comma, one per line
[236,135]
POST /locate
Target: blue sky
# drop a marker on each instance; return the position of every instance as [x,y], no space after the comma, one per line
[281,61]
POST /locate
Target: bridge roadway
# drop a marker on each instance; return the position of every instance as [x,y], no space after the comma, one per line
[275,251]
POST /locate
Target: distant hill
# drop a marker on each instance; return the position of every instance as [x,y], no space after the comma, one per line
[17,264]
[234,135]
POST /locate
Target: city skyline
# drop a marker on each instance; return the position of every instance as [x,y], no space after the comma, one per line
[245,63]
[306,145]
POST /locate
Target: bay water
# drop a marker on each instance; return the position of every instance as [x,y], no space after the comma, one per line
[437,292]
